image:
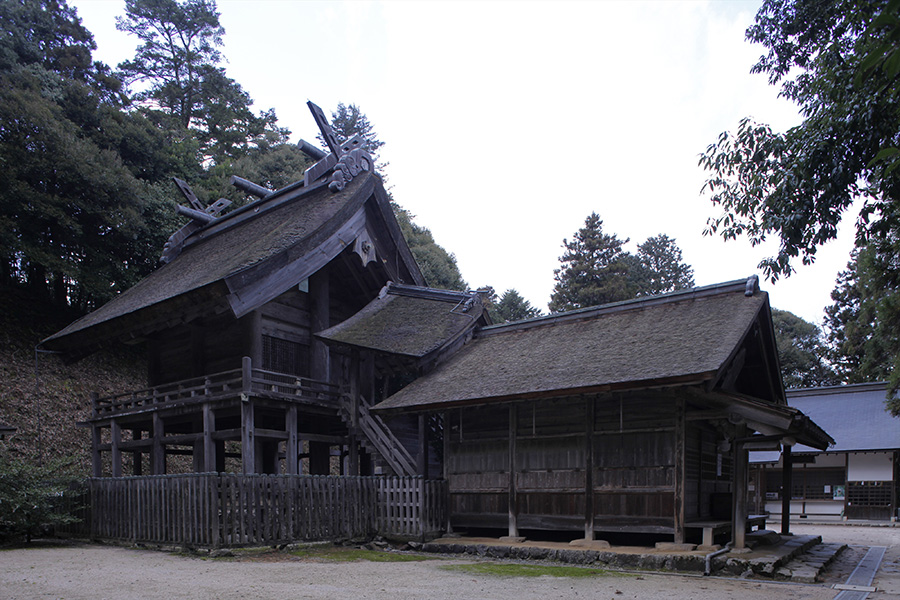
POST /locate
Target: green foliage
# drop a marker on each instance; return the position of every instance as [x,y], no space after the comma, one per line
[797,185]
[801,352]
[185,89]
[596,269]
[30,498]
[437,265]
[349,120]
[663,269]
[72,202]
[510,307]
[863,323]
[179,40]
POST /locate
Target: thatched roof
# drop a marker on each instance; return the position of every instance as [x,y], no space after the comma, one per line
[409,321]
[677,339]
[240,261]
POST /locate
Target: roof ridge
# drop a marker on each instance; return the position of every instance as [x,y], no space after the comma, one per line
[748,286]
[428,293]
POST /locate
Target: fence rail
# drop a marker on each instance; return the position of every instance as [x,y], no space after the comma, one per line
[226,510]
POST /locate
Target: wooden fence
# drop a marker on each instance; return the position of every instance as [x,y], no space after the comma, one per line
[225,510]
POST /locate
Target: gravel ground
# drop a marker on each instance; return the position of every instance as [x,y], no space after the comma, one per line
[106,572]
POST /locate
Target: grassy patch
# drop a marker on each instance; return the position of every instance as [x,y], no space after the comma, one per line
[341,554]
[523,570]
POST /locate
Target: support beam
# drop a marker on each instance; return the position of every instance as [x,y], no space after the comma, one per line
[209,444]
[446,435]
[96,461]
[422,458]
[248,437]
[680,437]
[739,492]
[320,319]
[589,468]
[158,451]
[787,483]
[292,448]
[513,500]
[116,438]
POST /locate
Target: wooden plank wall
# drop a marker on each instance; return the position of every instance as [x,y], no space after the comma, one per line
[227,510]
[632,445]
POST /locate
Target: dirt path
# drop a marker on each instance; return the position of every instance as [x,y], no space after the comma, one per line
[103,572]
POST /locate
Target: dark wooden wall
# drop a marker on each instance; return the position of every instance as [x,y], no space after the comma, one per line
[621,446]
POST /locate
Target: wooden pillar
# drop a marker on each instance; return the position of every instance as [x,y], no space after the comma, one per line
[198,457]
[354,411]
[96,461]
[739,491]
[894,466]
[220,456]
[787,483]
[319,458]
[292,448]
[158,452]
[422,457]
[680,470]
[320,319]
[248,437]
[513,500]
[116,435]
[209,445]
[267,457]
[589,468]
[136,455]
[252,324]
[446,467]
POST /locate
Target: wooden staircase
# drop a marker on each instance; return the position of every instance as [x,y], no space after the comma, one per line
[376,437]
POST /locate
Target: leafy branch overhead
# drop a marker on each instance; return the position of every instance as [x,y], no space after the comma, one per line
[838,61]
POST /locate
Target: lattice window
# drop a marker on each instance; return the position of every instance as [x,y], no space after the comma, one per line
[807,484]
[285,356]
[869,493]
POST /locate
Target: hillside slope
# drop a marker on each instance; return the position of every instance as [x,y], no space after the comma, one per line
[45,398]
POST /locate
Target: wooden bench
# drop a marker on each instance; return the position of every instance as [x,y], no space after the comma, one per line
[711,528]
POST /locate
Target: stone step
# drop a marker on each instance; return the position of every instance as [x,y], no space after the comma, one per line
[806,567]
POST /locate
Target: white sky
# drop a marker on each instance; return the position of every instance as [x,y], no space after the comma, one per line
[506,123]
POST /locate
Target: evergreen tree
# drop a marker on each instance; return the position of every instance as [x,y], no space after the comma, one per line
[437,265]
[663,269]
[801,352]
[73,212]
[862,322]
[189,93]
[594,269]
[513,307]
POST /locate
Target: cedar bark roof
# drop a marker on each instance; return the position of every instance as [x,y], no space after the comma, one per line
[677,339]
[409,321]
[278,240]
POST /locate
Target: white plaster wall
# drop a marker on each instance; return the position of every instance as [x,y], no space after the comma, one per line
[873,466]
[830,460]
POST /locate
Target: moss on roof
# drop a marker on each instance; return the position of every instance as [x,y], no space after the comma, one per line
[238,241]
[409,325]
[682,336]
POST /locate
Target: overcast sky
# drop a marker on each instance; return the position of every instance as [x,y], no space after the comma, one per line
[506,124]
